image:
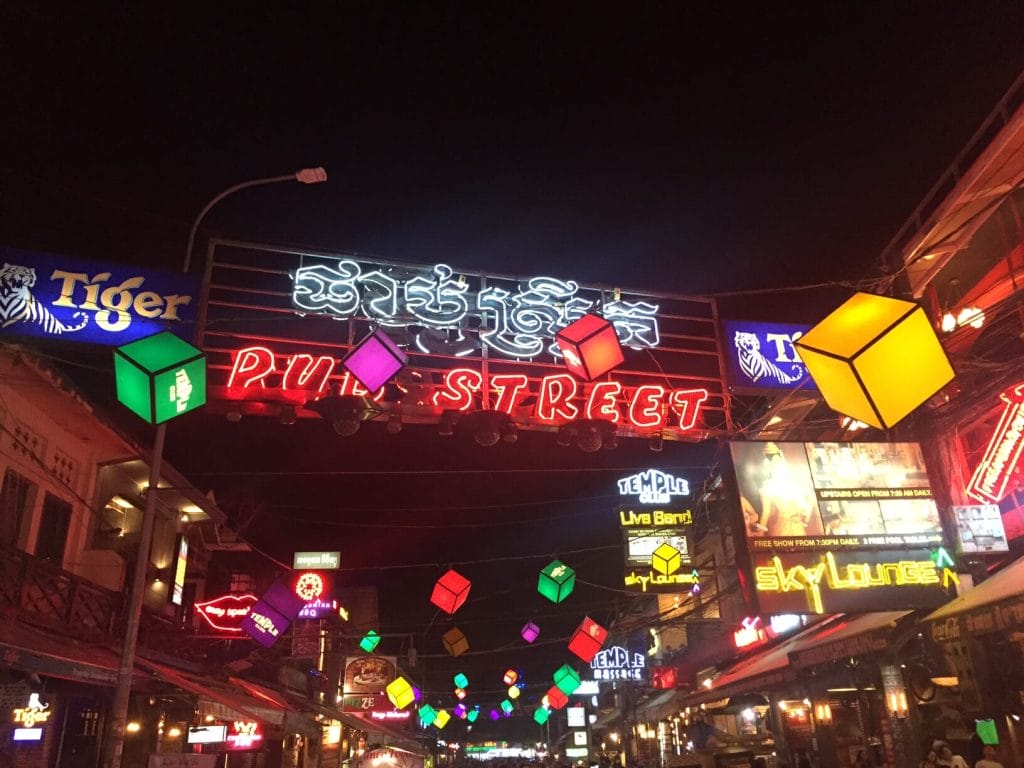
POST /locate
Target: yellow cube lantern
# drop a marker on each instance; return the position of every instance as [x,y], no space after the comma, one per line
[442,719]
[666,559]
[400,692]
[875,359]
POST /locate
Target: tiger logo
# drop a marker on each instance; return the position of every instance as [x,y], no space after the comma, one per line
[756,366]
[18,305]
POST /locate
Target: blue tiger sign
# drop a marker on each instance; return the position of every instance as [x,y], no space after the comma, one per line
[49,296]
[762,355]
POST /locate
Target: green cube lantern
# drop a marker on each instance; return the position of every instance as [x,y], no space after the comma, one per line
[556,581]
[461,681]
[507,707]
[541,715]
[370,641]
[427,714]
[160,377]
[567,679]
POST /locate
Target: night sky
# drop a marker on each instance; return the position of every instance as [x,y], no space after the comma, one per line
[659,146]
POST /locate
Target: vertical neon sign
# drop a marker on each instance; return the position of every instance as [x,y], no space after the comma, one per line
[992,476]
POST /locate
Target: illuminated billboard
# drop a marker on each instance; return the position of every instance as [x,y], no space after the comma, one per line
[657,549]
[833,527]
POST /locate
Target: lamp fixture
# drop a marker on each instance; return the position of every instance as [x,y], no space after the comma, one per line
[288,416]
[589,435]
[394,425]
[344,412]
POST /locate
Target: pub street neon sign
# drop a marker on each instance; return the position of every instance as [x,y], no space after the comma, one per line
[993,474]
[654,487]
[520,325]
[559,397]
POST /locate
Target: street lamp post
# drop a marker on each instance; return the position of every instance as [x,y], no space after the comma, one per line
[114,746]
[305,176]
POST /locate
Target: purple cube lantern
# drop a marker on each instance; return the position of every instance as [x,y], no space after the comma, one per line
[530,631]
[495,715]
[461,711]
[375,360]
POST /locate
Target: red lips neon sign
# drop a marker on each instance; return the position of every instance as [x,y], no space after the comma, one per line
[225,613]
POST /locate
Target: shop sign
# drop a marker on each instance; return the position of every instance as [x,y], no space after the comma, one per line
[576,717]
[207,734]
[244,735]
[316,561]
[647,535]
[317,609]
[49,296]
[992,477]
[259,373]
[762,356]
[369,675]
[225,613]
[848,581]
[750,633]
[861,645]
[618,663]
[33,713]
[519,325]
[264,625]
[180,566]
[653,487]
[575,752]
[393,715]
[979,529]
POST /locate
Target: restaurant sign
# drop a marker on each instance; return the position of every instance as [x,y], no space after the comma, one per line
[49,296]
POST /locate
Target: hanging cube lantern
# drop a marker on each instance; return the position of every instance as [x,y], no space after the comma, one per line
[473,714]
[590,347]
[450,591]
[375,360]
[417,694]
[567,679]
[461,711]
[400,693]
[495,715]
[875,359]
[442,719]
[455,642]
[510,677]
[541,715]
[587,640]
[506,706]
[370,641]
[160,377]
[461,681]
[556,581]
[460,693]
[530,632]
[513,692]
[427,714]
[666,559]
[556,699]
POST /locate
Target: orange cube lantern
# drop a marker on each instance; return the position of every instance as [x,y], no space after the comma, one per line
[590,347]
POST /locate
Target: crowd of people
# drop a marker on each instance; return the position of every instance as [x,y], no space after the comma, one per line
[942,756]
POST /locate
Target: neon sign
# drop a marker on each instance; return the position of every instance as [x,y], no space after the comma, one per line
[245,734]
[558,397]
[309,586]
[225,613]
[33,713]
[829,576]
[653,486]
[618,663]
[750,633]
[997,466]
[519,325]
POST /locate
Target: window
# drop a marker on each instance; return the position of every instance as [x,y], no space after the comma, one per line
[15,499]
[53,529]
[242,583]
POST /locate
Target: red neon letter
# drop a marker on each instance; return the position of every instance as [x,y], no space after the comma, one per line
[304,373]
[687,403]
[645,410]
[350,386]
[603,402]
[252,365]
[459,386]
[554,399]
[508,387]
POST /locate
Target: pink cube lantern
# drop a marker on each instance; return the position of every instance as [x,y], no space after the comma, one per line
[588,638]
[590,347]
[530,632]
[450,591]
[375,360]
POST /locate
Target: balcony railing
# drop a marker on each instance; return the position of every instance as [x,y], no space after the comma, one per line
[41,593]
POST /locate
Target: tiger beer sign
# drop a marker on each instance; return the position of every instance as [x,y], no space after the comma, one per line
[50,296]
[762,356]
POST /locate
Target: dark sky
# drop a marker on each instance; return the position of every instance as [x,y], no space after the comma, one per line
[657,145]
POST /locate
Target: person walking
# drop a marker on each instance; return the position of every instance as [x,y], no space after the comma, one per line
[988,758]
[948,760]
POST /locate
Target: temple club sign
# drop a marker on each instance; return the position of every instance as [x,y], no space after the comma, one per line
[519,325]
[992,477]
[559,398]
[654,487]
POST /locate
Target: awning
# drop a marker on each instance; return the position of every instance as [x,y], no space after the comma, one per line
[659,707]
[31,650]
[392,736]
[995,605]
[836,637]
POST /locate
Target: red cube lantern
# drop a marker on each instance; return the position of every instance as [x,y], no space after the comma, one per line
[587,640]
[557,699]
[450,592]
[663,677]
[590,347]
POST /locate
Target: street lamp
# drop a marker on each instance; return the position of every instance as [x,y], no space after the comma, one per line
[304,176]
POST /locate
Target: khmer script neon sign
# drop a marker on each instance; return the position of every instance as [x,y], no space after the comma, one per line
[519,325]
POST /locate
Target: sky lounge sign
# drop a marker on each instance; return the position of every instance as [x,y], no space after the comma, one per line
[520,324]
[49,296]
